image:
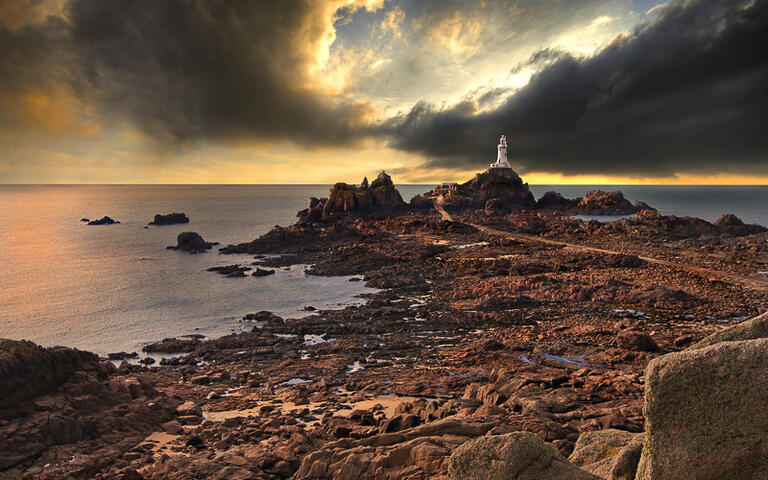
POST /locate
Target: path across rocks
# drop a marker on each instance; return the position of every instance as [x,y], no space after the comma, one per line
[749,282]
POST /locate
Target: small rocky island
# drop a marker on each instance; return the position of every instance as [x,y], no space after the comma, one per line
[105,220]
[169,219]
[508,340]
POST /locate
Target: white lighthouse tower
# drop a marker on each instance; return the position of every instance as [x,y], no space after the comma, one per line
[501,155]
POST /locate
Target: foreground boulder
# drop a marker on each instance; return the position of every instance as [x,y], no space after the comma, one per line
[169,219]
[514,456]
[419,452]
[751,329]
[51,398]
[28,370]
[191,242]
[610,454]
[705,413]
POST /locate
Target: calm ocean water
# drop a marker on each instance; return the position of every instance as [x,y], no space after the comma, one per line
[110,288]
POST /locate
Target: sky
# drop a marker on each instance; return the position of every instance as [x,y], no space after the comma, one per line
[319,91]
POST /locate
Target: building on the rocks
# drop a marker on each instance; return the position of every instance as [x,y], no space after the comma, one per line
[501,155]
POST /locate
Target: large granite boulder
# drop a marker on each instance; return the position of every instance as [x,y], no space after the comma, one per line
[751,329]
[28,370]
[514,456]
[610,454]
[705,413]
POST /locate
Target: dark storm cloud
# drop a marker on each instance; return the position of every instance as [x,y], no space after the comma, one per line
[190,69]
[687,92]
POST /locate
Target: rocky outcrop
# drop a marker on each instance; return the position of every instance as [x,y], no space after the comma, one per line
[503,187]
[169,219]
[55,397]
[705,413]
[652,225]
[172,345]
[599,202]
[556,201]
[103,221]
[344,199]
[301,235]
[730,223]
[418,452]
[191,242]
[28,370]
[514,456]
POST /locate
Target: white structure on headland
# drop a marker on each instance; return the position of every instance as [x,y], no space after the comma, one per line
[501,156]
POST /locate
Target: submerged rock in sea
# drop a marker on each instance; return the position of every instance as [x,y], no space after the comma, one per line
[105,220]
[262,272]
[169,219]
[230,270]
[191,242]
[172,345]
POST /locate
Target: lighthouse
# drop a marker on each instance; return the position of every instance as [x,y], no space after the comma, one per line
[501,155]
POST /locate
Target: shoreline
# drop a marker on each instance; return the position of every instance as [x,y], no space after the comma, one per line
[470,334]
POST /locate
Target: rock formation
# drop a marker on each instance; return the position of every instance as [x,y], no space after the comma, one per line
[556,201]
[514,456]
[705,412]
[191,242]
[733,225]
[610,454]
[55,397]
[598,202]
[169,219]
[754,328]
[103,221]
[28,370]
[344,199]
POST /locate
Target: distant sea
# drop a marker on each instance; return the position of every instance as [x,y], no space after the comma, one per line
[116,287]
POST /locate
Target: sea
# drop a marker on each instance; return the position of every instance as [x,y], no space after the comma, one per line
[116,287]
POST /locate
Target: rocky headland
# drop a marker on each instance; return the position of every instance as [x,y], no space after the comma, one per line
[508,340]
